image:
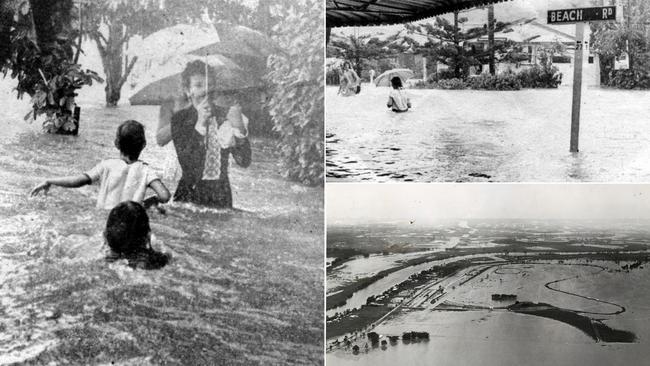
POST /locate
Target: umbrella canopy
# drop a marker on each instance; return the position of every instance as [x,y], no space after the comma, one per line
[248,47]
[165,80]
[169,42]
[384,78]
[237,40]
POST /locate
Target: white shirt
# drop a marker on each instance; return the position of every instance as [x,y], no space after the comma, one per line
[400,100]
[119,181]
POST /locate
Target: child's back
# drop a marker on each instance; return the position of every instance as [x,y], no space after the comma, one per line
[123,179]
[398,101]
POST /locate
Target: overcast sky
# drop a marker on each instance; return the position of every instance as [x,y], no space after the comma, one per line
[357,203]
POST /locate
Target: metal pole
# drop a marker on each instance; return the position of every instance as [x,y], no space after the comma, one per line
[577,87]
[491,38]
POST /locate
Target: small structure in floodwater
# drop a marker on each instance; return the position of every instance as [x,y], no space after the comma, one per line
[504,297]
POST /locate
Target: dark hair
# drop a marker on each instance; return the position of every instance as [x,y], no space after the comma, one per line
[196,67]
[396,82]
[130,139]
[127,229]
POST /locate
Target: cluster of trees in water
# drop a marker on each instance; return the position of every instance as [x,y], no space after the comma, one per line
[634,265]
[407,337]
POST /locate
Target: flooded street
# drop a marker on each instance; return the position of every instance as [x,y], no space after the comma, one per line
[481,136]
[243,287]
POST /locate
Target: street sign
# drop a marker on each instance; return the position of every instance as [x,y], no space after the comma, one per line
[565,16]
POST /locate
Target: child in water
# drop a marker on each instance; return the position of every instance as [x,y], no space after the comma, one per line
[128,236]
[398,101]
[123,179]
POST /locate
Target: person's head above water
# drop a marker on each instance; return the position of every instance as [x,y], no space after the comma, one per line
[127,229]
[193,79]
[396,82]
[130,139]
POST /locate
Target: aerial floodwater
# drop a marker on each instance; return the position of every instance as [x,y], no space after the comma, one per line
[484,136]
[551,294]
[243,287]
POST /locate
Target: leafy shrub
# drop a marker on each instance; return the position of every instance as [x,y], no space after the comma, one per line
[39,56]
[495,82]
[441,75]
[450,84]
[297,102]
[629,79]
[540,77]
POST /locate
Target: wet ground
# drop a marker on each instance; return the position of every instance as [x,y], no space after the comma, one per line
[486,136]
[244,287]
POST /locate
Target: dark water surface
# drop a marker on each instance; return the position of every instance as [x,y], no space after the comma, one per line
[243,287]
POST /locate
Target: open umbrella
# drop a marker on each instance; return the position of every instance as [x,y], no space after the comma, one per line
[169,42]
[165,79]
[384,78]
[237,40]
[248,47]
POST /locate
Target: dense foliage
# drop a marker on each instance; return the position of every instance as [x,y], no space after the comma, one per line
[37,51]
[297,102]
[613,39]
[363,52]
[540,76]
[537,76]
[495,82]
[447,44]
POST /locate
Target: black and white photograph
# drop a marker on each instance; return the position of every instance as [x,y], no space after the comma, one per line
[488,274]
[162,182]
[487,91]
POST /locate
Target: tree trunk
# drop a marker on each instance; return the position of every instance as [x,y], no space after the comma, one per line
[116,66]
[112,94]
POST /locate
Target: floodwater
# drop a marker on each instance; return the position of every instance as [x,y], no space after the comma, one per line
[243,287]
[483,136]
[360,297]
[367,267]
[504,338]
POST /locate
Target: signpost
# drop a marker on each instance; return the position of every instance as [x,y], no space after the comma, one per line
[579,16]
[565,16]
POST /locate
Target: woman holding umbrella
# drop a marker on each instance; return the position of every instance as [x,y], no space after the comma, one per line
[205,134]
[350,81]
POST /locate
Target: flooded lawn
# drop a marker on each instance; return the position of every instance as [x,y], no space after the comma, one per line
[244,287]
[482,136]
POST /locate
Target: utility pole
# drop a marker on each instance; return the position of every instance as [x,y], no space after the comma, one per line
[457,67]
[491,38]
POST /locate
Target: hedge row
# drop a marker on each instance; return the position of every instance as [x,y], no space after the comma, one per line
[535,77]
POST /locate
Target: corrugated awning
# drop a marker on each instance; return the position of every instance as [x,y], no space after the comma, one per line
[343,13]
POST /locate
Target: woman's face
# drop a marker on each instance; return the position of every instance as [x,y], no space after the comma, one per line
[197,89]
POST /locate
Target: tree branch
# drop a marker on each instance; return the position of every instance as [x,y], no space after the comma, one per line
[127,70]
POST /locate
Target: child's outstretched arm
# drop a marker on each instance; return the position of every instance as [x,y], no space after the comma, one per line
[67,182]
[162,194]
